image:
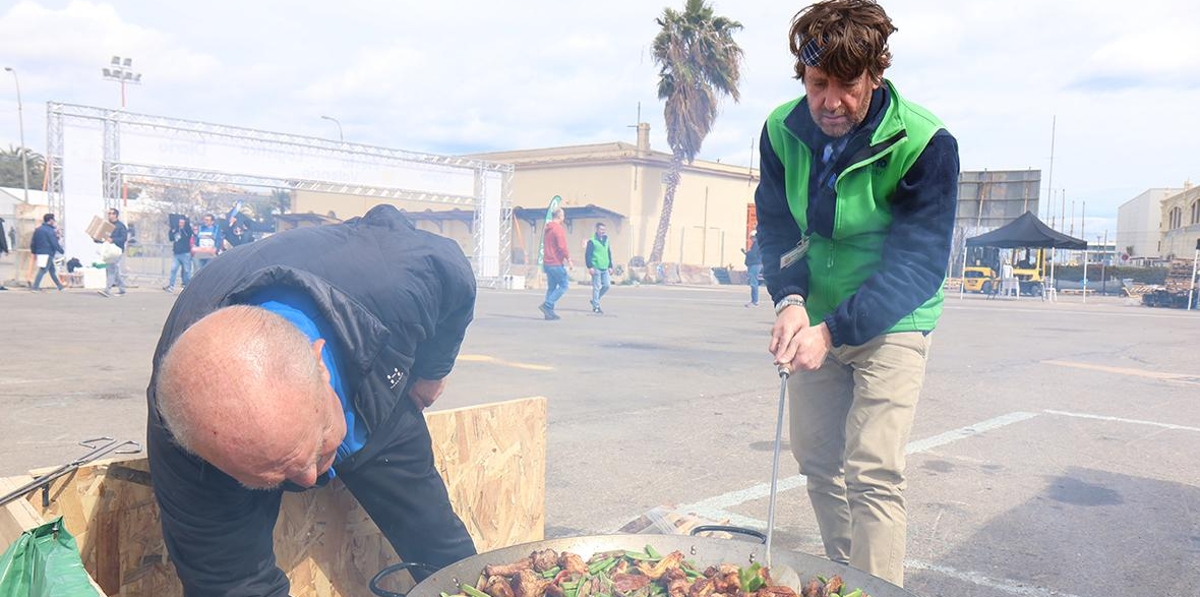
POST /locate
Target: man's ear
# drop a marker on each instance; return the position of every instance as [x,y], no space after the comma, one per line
[316,348]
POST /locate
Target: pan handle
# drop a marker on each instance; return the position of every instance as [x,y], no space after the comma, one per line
[720,528]
[394,568]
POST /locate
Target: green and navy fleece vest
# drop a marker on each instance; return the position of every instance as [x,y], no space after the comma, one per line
[600,254]
[838,266]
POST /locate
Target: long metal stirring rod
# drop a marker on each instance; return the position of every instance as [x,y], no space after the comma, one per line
[784,372]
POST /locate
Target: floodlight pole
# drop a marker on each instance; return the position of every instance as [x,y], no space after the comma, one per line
[121,71]
[21,128]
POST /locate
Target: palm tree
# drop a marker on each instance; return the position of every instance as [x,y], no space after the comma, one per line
[699,61]
[12,169]
[281,201]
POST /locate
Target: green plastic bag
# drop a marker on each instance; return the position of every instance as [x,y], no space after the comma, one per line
[44,562]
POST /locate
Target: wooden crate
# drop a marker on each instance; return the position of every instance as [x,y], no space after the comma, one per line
[493,458]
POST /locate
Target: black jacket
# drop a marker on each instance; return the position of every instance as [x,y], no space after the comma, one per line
[400,300]
[181,239]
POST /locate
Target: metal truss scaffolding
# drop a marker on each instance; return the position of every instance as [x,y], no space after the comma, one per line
[492,264]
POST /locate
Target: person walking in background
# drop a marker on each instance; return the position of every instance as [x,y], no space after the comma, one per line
[181,246]
[555,261]
[753,267]
[43,246]
[3,247]
[599,262]
[206,243]
[856,209]
[113,276]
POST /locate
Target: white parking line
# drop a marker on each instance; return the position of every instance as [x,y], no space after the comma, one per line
[1007,586]
[942,439]
[717,508]
[1120,420]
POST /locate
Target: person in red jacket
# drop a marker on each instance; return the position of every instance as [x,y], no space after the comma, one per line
[556,259]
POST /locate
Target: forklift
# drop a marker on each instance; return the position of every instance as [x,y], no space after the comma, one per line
[1030,270]
[983,276]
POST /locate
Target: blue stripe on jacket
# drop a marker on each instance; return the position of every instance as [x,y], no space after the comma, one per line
[300,310]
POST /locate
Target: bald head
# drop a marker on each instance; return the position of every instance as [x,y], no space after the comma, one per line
[245,390]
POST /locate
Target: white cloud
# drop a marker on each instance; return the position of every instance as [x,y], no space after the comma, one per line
[76,41]
[1164,56]
[473,76]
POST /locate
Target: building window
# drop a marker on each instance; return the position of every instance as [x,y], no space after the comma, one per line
[1196,211]
[1175,218]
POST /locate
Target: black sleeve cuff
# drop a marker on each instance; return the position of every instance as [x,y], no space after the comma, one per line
[835,333]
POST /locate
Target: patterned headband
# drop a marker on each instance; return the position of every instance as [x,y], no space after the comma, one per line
[811,53]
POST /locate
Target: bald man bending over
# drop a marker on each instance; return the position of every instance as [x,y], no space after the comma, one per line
[293,360]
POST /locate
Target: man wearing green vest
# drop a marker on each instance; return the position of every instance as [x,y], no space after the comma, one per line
[856,211]
[599,263]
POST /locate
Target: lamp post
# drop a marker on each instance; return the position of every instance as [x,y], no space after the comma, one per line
[121,71]
[21,129]
[339,125]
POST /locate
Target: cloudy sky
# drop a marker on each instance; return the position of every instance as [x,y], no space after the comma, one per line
[1122,80]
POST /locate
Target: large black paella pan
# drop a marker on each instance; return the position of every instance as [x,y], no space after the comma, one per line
[703,551]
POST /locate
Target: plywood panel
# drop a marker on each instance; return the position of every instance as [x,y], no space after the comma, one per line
[493,458]
[17,516]
[495,465]
[109,507]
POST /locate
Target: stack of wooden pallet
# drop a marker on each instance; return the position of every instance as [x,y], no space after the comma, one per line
[1179,276]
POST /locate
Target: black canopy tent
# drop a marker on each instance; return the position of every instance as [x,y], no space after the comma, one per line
[1027,231]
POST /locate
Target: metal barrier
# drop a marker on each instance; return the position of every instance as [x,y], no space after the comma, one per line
[148,264]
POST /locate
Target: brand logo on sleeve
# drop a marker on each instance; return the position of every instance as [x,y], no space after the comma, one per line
[395,377]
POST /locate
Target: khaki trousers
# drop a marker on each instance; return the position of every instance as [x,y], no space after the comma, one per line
[850,421]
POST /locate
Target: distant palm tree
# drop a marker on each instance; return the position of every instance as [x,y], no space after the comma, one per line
[281,201]
[699,61]
[12,170]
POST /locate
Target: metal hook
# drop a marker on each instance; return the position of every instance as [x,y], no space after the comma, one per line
[43,482]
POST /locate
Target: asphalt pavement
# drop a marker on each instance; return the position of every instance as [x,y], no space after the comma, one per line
[1053,453]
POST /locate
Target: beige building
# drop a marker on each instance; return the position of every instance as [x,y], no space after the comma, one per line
[1181,222]
[708,222]
[455,223]
[618,183]
[1139,224]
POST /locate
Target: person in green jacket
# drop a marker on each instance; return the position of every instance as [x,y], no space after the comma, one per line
[600,265]
[856,209]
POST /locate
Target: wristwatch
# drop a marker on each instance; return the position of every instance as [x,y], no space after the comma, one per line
[791,300]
